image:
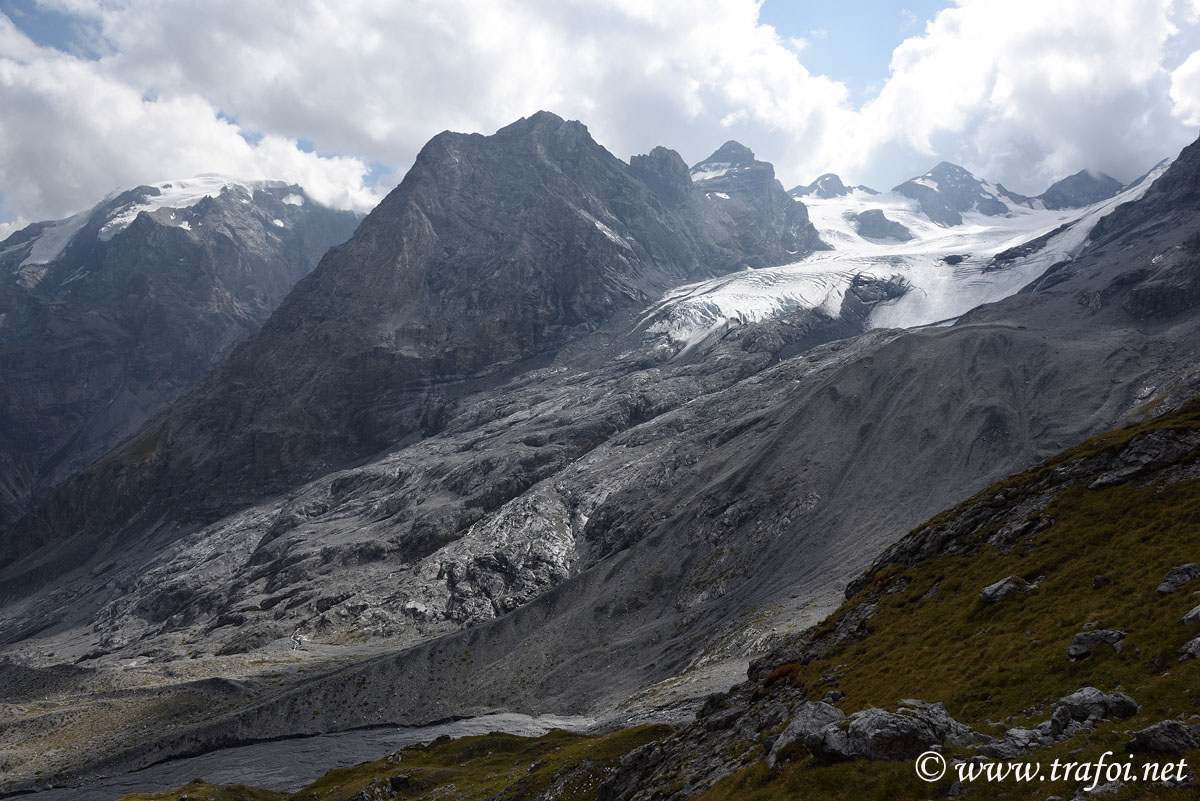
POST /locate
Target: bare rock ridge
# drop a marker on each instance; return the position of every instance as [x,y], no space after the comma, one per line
[108,316]
[493,250]
[748,191]
[1081,189]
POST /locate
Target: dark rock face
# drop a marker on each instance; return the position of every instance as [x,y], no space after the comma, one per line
[747,190]
[946,191]
[874,224]
[1164,737]
[1081,189]
[493,250]
[100,329]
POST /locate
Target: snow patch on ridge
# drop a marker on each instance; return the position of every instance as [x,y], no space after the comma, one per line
[181,194]
[54,239]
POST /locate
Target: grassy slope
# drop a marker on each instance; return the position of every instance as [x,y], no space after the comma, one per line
[994,662]
[1003,662]
[491,766]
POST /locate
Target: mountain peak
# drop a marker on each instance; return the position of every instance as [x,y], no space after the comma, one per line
[732,152]
[1081,189]
[948,169]
[732,159]
[948,190]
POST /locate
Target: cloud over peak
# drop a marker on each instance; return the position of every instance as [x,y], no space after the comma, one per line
[1018,90]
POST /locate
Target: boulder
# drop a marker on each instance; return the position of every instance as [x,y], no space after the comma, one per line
[881,735]
[1164,737]
[1081,647]
[1191,649]
[808,718]
[1192,616]
[1011,585]
[1179,576]
[1089,703]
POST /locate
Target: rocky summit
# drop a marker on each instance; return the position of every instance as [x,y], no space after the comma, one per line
[557,434]
[109,315]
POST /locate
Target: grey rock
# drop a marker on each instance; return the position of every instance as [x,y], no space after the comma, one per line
[1177,577]
[1006,587]
[746,189]
[1089,703]
[808,719]
[1191,649]
[1069,716]
[1164,737]
[564,233]
[1193,616]
[1108,788]
[1016,742]
[874,224]
[1099,581]
[1083,642]
[881,735]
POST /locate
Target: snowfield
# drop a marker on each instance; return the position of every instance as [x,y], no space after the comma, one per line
[939,291]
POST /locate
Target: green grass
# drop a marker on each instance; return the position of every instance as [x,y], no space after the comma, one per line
[994,662]
[503,767]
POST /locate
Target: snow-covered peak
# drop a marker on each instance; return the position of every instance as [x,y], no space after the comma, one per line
[827,186]
[120,208]
[948,190]
[179,194]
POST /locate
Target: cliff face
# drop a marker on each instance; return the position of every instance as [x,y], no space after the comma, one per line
[108,316]
[493,250]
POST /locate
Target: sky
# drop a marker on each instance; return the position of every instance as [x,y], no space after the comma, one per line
[340,95]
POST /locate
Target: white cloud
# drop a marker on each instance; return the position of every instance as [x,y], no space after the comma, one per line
[1028,91]
[1185,90]
[71,133]
[1019,90]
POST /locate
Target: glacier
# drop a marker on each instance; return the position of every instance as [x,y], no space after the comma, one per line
[938,290]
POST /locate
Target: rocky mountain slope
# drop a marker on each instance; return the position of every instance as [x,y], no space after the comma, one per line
[1006,613]
[747,190]
[634,509]
[492,251]
[1081,189]
[108,316]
